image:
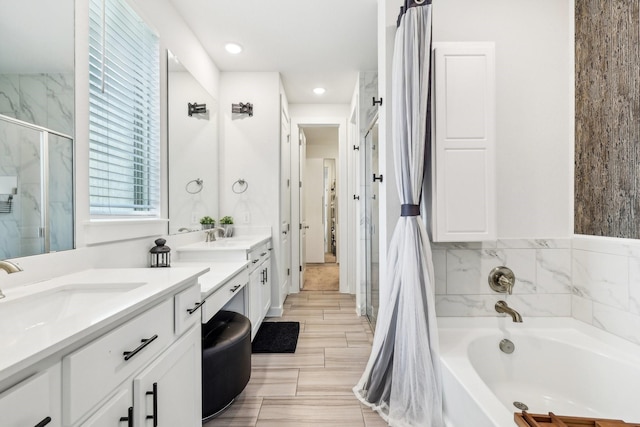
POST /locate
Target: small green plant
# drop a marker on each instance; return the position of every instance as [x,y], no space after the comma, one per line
[226,220]
[207,220]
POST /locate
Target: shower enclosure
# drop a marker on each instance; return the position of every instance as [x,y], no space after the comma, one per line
[36,189]
[371,221]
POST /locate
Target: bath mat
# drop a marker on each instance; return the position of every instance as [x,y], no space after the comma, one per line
[276,337]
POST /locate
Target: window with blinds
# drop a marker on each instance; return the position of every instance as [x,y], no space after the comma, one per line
[124,112]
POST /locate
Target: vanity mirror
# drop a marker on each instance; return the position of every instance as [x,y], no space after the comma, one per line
[193,149]
[36,127]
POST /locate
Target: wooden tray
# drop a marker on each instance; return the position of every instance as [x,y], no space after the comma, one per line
[526,419]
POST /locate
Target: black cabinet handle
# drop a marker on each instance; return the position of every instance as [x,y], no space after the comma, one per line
[154,417]
[129,417]
[266,275]
[263,254]
[255,260]
[44,422]
[195,307]
[235,288]
[377,178]
[145,342]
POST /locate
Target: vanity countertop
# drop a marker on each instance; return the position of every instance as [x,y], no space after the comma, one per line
[219,272]
[55,316]
[246,242]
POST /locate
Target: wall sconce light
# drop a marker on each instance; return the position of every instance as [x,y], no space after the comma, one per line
[196,108]
[242,108]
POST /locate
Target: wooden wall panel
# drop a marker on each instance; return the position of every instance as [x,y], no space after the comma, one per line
[607,145]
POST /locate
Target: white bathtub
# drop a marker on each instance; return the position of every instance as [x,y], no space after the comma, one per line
[559,365]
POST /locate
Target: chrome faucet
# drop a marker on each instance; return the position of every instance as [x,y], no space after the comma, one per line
[211,234]
[502,279]
[9,267]
[502,307]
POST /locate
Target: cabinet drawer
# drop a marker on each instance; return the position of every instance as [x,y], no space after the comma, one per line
[33,400]
[219,298]
[258,255]
[92,372]
[187,305]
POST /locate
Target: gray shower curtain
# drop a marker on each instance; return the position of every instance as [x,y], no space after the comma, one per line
[402,380]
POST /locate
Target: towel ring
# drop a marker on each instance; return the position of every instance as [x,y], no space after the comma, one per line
[240,186]
[198,182]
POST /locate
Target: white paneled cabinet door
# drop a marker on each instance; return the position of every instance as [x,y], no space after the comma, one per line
[265,280]
[35,401]
[168,393]
[464,202]
[255,300]
[116,412]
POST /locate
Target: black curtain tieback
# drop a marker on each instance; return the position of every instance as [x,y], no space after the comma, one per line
[409,210]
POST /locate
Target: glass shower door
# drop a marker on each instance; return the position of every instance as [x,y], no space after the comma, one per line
[371,198]
[36,190]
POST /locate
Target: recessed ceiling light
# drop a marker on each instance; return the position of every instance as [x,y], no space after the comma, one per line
[319,90]
[233,48]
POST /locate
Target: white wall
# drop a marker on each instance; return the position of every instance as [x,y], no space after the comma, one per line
[250,150]
[534,85]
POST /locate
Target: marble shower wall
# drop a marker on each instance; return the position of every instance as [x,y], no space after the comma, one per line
[41,99]
[542,269]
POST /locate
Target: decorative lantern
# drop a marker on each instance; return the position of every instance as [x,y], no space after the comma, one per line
[160,254]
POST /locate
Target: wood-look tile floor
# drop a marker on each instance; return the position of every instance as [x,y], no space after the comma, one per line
[311,387]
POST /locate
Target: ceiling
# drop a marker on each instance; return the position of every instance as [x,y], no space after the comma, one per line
[311,43]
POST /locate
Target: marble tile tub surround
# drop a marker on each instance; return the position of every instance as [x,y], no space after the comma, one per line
[593,279]
[606,284]
[542,268]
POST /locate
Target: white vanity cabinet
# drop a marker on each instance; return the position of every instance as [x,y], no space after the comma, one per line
[146,372]
[259,286]
[35,401]
[165,394]
[253,282]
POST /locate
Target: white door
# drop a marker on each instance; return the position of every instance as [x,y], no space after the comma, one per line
[303,221]
[314,183]
[168,393]
[285,206]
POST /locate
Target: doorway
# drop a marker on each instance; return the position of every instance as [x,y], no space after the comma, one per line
[320,208]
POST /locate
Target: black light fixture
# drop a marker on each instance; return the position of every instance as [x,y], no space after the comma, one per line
[160,255]
[196,108]
[241,108]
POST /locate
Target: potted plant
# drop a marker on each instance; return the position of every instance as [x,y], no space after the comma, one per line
[207,222]
[226,222]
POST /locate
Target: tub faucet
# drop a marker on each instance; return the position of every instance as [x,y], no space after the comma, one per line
[9,267]
[211,234]
[502,307]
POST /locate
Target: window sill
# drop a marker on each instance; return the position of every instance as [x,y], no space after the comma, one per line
[97,231]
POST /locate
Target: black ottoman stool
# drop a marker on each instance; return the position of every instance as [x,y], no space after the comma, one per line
[226,360]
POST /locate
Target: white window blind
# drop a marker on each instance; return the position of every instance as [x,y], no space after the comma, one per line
[124,112]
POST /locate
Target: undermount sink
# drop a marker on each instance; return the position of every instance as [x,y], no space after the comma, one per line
[40,308]
[220,243]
